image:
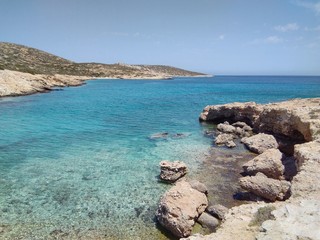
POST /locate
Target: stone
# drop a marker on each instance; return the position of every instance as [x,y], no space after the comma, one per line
[293,221]
[218,211]
[296,119]
[208,221]
[161,135]
[226,128]
[172,171]
[179,207]
[265,187]
[223,138]
[239,124]
[269,163]
[260,142]
[231,144]
[199,186]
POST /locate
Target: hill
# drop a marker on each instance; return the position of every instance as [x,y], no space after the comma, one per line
[30,60]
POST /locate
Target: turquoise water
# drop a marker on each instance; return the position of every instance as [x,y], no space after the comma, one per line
[80,164]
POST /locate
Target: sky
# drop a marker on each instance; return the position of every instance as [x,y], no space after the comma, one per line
[221,37]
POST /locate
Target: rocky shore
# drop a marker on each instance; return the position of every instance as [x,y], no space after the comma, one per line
[282,178]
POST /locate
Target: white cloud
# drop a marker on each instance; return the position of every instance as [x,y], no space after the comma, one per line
[268,40]
[315,6]
[287,27]
[273,39]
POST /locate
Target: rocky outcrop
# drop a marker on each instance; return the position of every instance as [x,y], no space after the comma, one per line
[269,163]
[172,171]
[265,187]
[300,220]
[14,83]
[297,119]
[179,207]
[259,143]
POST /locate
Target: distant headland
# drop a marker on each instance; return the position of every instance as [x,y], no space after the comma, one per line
[25,70]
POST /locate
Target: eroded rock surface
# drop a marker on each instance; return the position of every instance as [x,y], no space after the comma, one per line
[265,187]
[259,143]
[172,171]
[179,207]
[269,163]
[297,119]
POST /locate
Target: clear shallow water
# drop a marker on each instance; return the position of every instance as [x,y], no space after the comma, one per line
[79,163]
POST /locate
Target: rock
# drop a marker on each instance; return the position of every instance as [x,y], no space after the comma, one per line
[199,186]
[269,163]
[265,187]
[307,152]
[179,135]
[161,135]
[293,221]
[179,207]
[231,144]
[226,128]
[208,221]
[223,138]
[217,211]
[296,119]
[240,124]
[172,171]
[260,142]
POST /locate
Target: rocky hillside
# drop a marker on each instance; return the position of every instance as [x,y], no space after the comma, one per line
[30,60]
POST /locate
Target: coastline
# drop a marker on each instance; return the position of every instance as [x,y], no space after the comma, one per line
[298,216]
[14,83]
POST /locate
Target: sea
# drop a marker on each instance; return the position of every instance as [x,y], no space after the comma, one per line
[83,162]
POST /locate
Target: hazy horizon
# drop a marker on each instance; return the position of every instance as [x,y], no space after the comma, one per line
[210,36]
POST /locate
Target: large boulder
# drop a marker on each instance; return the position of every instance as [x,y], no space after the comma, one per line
[179,207]
[260,142]
[199,186]
[269,163]
[172,171]
[265,187]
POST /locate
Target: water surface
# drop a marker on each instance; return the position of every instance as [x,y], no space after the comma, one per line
[80,164]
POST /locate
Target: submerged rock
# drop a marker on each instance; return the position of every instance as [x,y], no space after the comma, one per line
[269,163]
[179,207]
[265,187]
[172,171]
[217,211]
[260,142]
[208,221]
[161,135]
[199,186]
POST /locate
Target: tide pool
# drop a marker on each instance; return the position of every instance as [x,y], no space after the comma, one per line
[80,163]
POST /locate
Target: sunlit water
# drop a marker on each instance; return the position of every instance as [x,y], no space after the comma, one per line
[80,164]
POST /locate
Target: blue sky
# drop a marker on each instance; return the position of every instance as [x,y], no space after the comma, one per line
[273,37]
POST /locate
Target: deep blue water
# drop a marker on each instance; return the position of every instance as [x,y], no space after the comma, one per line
[80,163]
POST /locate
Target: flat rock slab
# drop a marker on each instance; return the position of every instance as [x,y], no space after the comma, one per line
[259,143]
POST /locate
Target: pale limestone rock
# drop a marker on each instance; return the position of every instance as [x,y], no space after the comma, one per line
[179,207]
[293,221]
[226,128]
[223,138]
[260,142]
[265,187]
[269,163]
[208,221]
[296,119]
[172,171]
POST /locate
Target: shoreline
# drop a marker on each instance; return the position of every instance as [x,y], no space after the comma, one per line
[15,84]
[298,216]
